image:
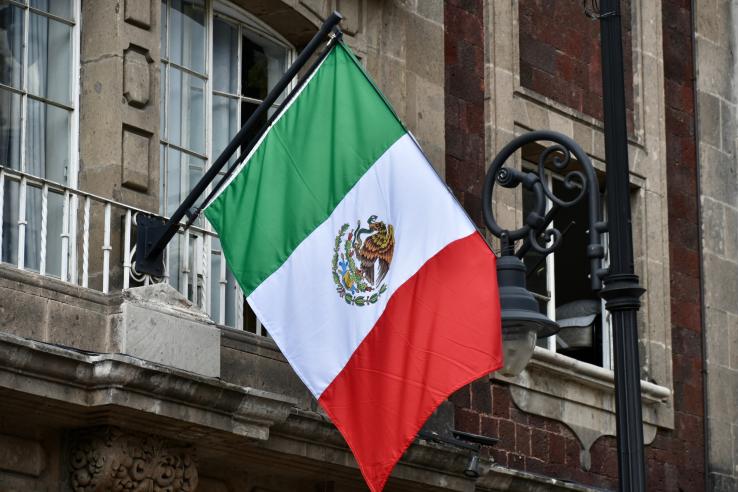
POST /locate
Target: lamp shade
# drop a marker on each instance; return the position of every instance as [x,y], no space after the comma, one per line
[522,322]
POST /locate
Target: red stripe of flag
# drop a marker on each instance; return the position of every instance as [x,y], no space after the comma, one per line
[439,331]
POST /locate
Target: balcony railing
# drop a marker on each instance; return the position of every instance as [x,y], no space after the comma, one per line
[89,240]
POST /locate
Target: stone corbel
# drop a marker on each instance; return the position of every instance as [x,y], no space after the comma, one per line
[582,397]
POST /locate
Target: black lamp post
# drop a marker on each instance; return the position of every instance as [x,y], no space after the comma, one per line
[522,323]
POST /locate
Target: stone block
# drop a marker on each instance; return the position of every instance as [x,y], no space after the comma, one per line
[136,77]
[135,165]
[74,326]
[709,128]
[318,7]
[431,9]
[721,280]
[718,336]
[138,13]
[22,456]
[718,175]
[713,226]
[727,127]
[23,314]
[158,324]
[731,234]
[352,13]
[424,42]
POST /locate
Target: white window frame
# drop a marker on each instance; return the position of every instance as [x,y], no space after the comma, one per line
[203,242]
[69,261]
[605,318]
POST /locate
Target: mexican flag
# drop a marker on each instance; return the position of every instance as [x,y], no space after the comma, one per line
[363,268]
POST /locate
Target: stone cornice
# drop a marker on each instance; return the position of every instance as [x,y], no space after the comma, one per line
[65,378]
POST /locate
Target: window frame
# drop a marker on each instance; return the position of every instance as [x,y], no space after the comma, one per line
[72,171]
[550,262]
[202,245]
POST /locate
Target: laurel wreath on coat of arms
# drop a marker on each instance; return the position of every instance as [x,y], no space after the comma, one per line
[361,261]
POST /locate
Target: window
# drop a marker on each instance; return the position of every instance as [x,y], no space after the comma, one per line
[38,98]
[560,283]
[218,64]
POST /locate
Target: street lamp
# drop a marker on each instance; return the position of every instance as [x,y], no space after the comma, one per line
[621,289]
[522,322]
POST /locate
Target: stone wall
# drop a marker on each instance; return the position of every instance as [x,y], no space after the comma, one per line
[717,68]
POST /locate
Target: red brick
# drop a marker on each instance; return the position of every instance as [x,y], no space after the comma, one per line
[522,439]
[506,435]
[557,449]
[501,402]
[467,421]
[539,444]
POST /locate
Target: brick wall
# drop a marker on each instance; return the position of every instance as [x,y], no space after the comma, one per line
[464,99]
[531,443]
[560,55]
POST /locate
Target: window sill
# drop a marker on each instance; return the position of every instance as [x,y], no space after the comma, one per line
[582,396]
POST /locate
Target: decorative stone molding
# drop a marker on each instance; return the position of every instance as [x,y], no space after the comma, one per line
[136,76]
[138,13]
[135,160]
[110,459]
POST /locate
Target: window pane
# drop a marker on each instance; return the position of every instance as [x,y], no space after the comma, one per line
[195,169]
[162,101]
[186,31]
[33,228]
[62,8]
[10,221]
[50,59]
[174,188]
[53,233]
[11,45]
[186,111]
[247,109]
[225,123]
[263,63]
[10,129]
[163,31]
[225,56]
[162,179]
[215,260]
[47,141]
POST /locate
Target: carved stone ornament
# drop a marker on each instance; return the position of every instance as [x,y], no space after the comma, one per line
[110,459]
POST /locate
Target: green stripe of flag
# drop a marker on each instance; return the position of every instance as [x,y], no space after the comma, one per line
[316,152]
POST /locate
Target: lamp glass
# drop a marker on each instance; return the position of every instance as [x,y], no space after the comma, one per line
[518,344]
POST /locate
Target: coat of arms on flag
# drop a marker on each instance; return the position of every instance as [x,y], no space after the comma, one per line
[362,259]
[409,311]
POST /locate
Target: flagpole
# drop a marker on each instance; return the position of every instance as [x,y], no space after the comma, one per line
[153,235]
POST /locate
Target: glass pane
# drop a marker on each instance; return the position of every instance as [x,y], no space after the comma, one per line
[33,228]
[11,45]
[264,62]
[163,32]
[50,59]
[162,101]
[225,56]
[186,31]
[225,123]
[215,287]
[162,180]
[53,233]
[10,222]
[10,129]
[247,109]
[62,8]
[230,301]
[195,168]
[186,111]
[174,186]
[47,141]
[173,257]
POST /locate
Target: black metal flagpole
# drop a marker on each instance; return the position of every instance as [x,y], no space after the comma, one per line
[622,290]
[153,235]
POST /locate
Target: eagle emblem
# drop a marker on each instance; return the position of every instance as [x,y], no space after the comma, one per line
[361,260]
